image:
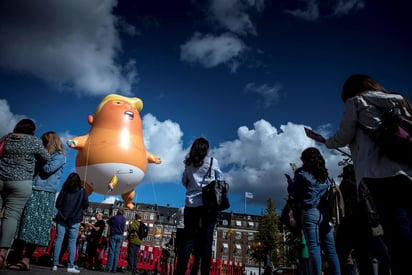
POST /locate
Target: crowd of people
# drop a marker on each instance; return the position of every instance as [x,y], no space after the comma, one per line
[376,188]
[375,236]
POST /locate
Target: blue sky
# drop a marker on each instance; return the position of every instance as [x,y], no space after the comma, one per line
[246,74]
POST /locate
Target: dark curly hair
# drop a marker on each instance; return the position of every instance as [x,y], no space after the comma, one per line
[314,163]
[198,152]
[72,183]
[25,126]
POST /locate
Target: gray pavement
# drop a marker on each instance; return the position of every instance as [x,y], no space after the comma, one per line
[37,269]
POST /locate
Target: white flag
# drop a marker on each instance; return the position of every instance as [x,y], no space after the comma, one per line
[248,195]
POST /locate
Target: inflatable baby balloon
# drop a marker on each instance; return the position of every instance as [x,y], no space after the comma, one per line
[112,157]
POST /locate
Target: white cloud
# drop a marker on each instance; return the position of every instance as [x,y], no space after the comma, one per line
[232,14]
[269,94]
[311,13]
[256,161]
[164,139]
[316,9]
[211,51]
[344,7]
[110,200]
[71,44]
[7,119]
[259,158]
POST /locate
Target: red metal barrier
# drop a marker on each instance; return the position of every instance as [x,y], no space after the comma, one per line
[161,263]
[122,260]
[148,258]
[238,269]
[214,267]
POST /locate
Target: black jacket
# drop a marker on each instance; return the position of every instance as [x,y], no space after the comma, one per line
[71,206]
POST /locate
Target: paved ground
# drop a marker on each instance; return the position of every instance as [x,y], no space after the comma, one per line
[36,269]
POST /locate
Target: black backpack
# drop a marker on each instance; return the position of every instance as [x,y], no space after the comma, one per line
[142,233]
[394,134]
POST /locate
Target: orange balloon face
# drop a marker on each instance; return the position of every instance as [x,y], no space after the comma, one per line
[118,115]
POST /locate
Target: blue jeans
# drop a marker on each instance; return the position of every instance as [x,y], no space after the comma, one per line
[73,230]
[319,235]
[114,251]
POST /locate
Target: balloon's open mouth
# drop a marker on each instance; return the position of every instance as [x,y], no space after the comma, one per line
[129,115]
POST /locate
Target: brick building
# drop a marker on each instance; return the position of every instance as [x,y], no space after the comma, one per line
[232,239]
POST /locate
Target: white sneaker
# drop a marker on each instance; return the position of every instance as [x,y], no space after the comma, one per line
[54,268]
[73,270]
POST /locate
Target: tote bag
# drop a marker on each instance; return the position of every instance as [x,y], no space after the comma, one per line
[215,194]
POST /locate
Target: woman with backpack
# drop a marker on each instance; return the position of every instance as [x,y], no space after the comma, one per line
[389,180]
[309,186]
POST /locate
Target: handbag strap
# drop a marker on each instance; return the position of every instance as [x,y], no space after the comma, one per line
[4,138]
[209,171]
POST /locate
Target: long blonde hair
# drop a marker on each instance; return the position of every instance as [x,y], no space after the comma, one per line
[52,142]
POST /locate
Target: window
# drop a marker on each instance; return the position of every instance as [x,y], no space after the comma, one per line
[238,248]
[238,223]
[238,259]
[152,216]
[127,214]
[146,216]
[168,229]
[250,236]
[225,248]
[238,235]
[250,224]
[224,258]
[225,222]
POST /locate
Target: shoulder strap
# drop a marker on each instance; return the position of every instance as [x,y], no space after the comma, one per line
[209,171]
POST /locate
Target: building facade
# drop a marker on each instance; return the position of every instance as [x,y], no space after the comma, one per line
[232,240]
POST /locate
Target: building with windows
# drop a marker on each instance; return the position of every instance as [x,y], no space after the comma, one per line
[232,239]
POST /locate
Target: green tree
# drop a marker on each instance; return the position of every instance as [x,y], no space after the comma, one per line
[268,240]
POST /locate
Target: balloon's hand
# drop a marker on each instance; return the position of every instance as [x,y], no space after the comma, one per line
[71,143]
[152,158]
